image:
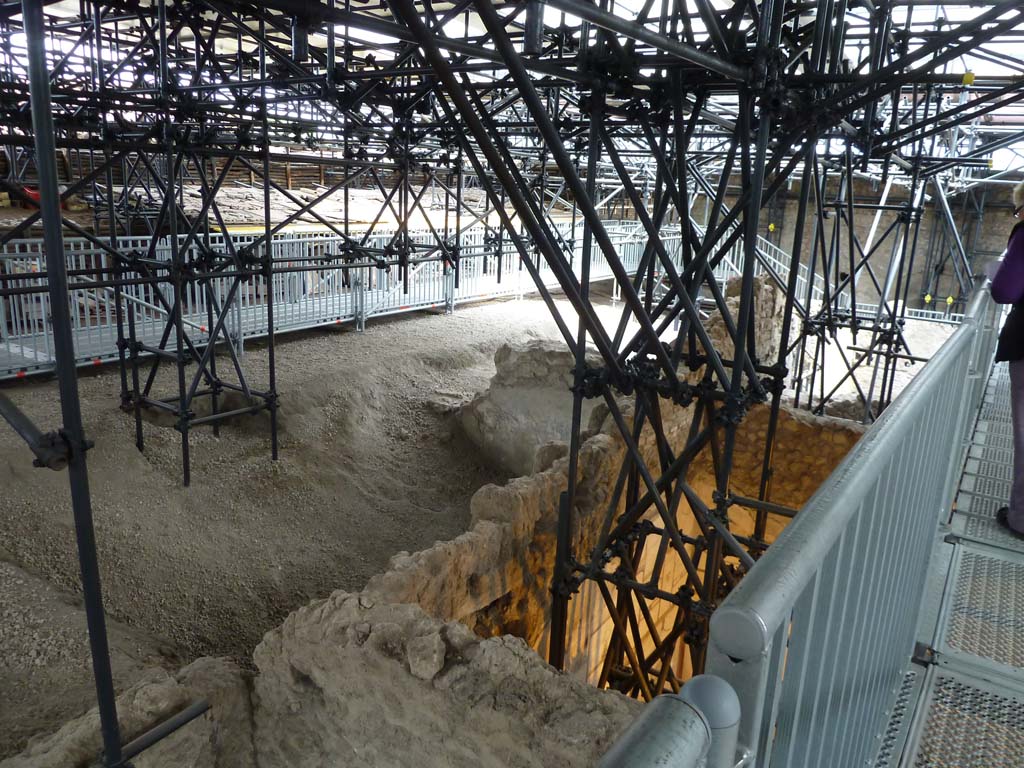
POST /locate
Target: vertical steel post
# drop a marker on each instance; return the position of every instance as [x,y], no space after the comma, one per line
[965,264]
[177,257]
[268,255]
[764,490]
[533,34]
[567,502]
[71,412]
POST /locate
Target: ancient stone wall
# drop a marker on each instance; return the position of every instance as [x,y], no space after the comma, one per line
[345,681]
[527,404]
[496,576]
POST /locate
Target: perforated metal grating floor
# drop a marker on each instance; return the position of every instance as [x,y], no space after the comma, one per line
[967,710]
[984,485]
[991,453]
[985,530]
[988,472]
[992,441]
[979,505]
[988,469]
[986,615]
[970,725]
[895,735]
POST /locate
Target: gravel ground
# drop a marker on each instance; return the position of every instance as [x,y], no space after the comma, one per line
[369,466]
[45,671]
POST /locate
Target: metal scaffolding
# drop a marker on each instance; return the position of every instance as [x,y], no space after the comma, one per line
[686,118]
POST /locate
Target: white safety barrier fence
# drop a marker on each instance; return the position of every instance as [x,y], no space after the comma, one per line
[305,298]
[312,296]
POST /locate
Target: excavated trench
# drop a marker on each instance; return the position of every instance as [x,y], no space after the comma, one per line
[437,655]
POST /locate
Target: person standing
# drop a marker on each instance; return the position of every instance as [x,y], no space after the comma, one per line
[1008,288]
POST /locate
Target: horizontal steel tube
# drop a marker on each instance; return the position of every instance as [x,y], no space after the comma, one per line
[166,728]
[668,731]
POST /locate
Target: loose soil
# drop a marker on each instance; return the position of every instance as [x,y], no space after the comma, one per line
[369,466]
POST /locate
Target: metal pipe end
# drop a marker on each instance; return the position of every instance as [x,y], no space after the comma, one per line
[740,633]
[714,698]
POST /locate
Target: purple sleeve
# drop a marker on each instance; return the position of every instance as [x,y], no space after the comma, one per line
[1008,284]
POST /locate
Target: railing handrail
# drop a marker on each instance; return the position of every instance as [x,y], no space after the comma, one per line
[818,636]
[744,625]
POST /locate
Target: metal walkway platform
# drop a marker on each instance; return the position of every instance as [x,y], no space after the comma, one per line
[966,710]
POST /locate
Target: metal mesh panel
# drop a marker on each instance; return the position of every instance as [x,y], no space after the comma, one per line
[997,455]
[895,735]
[981,529]
[969,727]
[987,614]
[993,440]
[1003,472]
[981,485]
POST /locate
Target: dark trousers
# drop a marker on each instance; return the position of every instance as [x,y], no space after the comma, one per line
[1016,515]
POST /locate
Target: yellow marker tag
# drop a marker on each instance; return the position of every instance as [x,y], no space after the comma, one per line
[927,298]
[968,78]
[771,227]
[949,300]
[990,163]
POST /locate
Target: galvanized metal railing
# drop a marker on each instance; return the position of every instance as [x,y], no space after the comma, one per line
[305,295]
[775,262]
[311,296]
[818,636]
[695,728]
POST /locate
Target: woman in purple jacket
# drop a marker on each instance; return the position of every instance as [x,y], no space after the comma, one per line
[1008,288]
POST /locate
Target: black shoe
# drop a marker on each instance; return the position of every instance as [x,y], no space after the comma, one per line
[1002,517]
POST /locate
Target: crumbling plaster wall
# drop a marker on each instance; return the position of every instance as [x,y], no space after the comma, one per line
[528,404]
[346,681]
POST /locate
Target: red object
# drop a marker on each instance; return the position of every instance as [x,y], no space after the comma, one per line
[31,194]
[97,361]
[202,328]
[20,375]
